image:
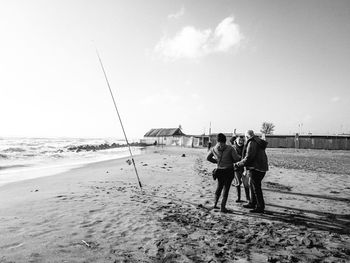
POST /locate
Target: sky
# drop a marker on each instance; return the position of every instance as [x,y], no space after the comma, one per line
[234,64]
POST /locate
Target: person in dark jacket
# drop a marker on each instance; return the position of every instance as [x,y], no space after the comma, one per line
[256,164]
[238,145]
[224,156]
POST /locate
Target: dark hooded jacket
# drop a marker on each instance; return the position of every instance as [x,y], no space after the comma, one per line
[254,155]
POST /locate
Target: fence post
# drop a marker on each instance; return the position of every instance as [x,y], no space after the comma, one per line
[296,140]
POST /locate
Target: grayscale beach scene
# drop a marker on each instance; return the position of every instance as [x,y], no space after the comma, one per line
[174,131]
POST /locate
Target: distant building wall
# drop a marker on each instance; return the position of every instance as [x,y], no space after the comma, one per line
[331,142]
[191,141]
[162,140]
[309,142]
[274,141]
[185,141]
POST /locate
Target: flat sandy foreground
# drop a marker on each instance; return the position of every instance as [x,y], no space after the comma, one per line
[97,213]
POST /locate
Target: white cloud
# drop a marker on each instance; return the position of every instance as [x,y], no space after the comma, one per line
[335,99]
[195,43]
[189,42]
[178,14]
[227,35]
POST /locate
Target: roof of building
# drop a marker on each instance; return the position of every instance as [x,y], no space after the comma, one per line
[164,132]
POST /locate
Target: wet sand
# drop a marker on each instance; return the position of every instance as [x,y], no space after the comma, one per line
[97,213]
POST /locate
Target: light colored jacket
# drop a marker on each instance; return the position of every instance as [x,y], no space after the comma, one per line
[224,157]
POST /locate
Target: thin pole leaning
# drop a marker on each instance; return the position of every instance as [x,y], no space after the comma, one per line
[120,120]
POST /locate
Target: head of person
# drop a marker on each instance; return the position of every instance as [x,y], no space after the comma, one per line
[233,139]
[240,140]
[249,134]
[221,138]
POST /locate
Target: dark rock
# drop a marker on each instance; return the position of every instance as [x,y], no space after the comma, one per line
[103,146]
[272,259]
[219,254]
[293,259]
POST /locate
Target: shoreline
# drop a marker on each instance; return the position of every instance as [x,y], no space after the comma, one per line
[31,172]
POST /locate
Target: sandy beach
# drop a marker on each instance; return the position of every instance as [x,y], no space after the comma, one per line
[97,213]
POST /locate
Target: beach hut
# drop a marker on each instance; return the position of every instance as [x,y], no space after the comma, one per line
[164,136]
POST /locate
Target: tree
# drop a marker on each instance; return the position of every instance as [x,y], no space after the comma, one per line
[267,128]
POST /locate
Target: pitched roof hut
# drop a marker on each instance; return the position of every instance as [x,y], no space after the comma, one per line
[164,136]
[164,132]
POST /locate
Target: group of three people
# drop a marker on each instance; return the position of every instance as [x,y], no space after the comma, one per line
[232,161]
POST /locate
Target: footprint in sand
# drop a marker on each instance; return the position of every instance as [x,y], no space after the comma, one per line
[35,257]
[12,246]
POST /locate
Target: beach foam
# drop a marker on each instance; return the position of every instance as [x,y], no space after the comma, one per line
[27,158]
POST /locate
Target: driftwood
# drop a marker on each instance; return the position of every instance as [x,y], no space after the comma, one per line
[85,243]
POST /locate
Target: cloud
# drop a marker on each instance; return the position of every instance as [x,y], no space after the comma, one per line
[195,43]
[178,14]
[227,35]
[188,43]
[335,99]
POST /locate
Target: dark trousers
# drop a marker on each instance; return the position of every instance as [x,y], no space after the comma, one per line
[257,198]
[224,183]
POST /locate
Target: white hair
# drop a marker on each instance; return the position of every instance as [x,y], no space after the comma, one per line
[249,133]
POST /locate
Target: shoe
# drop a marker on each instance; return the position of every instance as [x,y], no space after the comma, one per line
[256,210]
[224,210]
[215,207]
[248,206]
[239,201]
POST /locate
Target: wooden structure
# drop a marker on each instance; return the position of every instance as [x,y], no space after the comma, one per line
[163,136]
[325,142]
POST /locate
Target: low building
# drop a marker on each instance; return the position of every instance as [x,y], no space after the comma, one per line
[164,136]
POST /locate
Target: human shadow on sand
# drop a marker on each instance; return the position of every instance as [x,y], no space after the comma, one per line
[327,197]
[318,220]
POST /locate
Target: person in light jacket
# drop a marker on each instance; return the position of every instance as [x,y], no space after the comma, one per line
[224,156]
[238,144]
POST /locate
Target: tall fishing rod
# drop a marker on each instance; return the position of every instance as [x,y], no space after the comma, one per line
[120,120]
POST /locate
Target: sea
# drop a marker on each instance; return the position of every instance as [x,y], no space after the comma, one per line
[27,158]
